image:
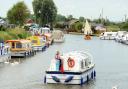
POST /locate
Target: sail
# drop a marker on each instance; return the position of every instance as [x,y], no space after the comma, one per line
[87,29]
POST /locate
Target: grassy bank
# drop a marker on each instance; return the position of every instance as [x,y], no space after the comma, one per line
[11,34]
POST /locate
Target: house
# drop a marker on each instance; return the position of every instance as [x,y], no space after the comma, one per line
[98,28]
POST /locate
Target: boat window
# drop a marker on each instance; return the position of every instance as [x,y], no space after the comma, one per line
[5,51]
[18,45]
[13,45]
[85,63]
[34,41]
[109,34]
[82,64]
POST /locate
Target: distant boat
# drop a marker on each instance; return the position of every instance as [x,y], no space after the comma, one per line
[58,36]
[120,35]
[108,35]
[87,31]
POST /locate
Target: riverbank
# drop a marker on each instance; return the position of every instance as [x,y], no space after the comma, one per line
[77,33]
[16,33]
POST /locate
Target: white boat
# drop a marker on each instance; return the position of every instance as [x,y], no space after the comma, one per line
[119,36]
[125,39]
[58,36]
[78,68]
[108,35]
[5,54]
[47,32]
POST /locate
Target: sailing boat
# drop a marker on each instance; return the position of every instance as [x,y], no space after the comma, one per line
[87,31]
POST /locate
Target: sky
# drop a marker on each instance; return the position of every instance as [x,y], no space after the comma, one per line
[114,10]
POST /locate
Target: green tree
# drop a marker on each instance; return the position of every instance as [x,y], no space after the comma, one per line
[60,17]
[70,17]
[45,11]
[18,13]
[81,19]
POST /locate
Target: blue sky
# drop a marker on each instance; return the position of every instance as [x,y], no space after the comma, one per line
[112,9]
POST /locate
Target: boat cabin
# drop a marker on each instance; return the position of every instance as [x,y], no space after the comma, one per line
[38,42]
[74,62]
[20,48]
[19,45]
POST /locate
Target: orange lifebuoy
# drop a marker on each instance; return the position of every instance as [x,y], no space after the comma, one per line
[71,63]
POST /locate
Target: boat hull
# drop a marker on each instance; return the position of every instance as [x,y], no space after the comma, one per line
[22,54]
[107,37]
[39,48]
[87,37]
[70,77]
[59,40]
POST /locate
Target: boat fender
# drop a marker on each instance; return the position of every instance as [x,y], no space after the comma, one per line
[81,81]
[45,79]
[94,73]
[69,79]
[87,78]
[55,79]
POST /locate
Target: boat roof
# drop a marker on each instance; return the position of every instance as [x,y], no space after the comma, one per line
[77,55]
[21,41]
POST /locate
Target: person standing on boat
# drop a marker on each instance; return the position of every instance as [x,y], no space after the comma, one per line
[58,61]
[57,57]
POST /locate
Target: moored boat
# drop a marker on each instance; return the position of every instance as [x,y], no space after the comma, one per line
[38,42]
[125,39]
[20,48]
[108,35]
[120,35]
[58,36]
[76,68]
[46,32]
[5,54]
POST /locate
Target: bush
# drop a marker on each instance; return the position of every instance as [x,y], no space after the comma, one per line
[59,25]
[76,27]
[2,28]
[17,33]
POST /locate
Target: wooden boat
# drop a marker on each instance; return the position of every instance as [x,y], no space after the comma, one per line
[20,48]
[76,68]
[87,31]
[5,54]
[38,42]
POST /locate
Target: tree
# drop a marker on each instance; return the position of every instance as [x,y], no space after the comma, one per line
[70,17]
[81,19]
[60,17]
[18,13]
[45,11]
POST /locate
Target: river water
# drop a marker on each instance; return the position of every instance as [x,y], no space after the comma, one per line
[110,57]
